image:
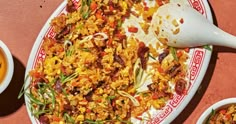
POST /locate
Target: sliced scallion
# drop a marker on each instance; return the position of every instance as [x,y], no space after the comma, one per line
[85,49]
[69,78]
[23,88]
[109,98]
[213,112]
[151,56]
[207,47]
[68,118]
[33,99]
[174,53]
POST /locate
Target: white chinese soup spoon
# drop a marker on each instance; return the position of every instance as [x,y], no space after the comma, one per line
[182,26]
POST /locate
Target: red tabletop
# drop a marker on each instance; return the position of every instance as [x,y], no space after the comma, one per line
[22,20]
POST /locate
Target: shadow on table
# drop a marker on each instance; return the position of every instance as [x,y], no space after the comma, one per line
[8,99]
[224,49]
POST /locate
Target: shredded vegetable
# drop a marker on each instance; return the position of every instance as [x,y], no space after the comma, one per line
[135,101]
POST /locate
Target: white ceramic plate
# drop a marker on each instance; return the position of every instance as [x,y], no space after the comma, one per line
[220,104]
[198,63]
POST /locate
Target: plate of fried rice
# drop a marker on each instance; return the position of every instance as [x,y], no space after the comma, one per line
[97,62]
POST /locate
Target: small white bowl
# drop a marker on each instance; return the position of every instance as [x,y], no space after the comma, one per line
[221,104]
[9,67]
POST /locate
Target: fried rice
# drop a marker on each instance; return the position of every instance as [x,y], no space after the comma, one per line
[94,73]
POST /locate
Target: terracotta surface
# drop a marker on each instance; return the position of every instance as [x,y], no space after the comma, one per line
[21,21]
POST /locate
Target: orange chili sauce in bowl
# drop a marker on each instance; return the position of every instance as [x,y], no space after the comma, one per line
[6,66]
[3,66]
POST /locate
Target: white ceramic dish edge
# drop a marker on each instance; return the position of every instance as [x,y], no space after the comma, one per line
[215,106]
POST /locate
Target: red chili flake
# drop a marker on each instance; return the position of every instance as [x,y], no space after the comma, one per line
[159,2]
[133,29]
[99,100]
[223,111]
[146,8]
[120,36]
[98,14]
[93,6]
[113,104]
[103,53]
[186,50]
[111,8]
[181,20]
[155,95]
[227,116]
[36,74]
[109,42]
[139,118]
[88,110]
[138,98]
[144,3]
[127,14]
[141,44]
[160,70]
